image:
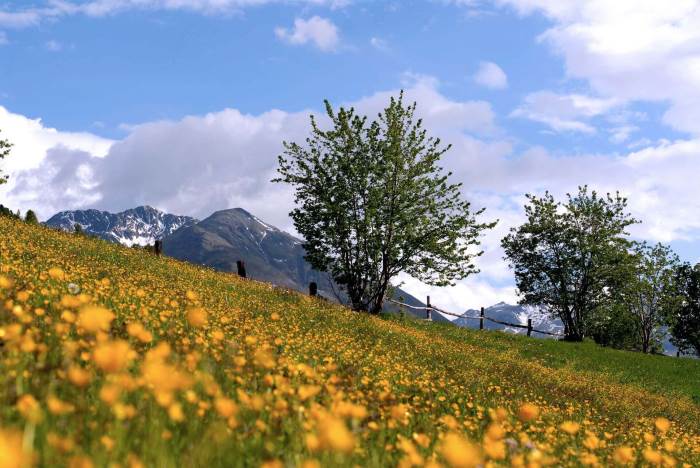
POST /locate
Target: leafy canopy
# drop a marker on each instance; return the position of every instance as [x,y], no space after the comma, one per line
[5,147]
[568,257]
[649,293]
[372,202]
[685,322]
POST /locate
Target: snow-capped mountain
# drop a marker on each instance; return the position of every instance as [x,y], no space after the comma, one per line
[513,314]
[137,226]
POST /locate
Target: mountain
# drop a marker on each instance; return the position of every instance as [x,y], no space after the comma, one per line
[137,226]
[269,254]
[512,314]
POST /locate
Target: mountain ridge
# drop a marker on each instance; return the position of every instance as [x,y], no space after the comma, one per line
[136,226]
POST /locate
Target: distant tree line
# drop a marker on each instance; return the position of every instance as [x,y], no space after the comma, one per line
[575,259]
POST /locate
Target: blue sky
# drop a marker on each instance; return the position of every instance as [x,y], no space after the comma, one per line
[183,104]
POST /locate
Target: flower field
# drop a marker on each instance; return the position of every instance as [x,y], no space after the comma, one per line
[114,357]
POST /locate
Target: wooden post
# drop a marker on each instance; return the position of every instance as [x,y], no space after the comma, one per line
[529,327]
[313,289]
[678,353]
[481,319]
[428,310]
[158,247]
[240,264]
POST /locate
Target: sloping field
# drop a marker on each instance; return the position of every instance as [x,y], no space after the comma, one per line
[111,355]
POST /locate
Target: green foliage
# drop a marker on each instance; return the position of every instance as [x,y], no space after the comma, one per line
[649,293]
[78,229]
[614,326]
[373,202]
[569,257]
[5,147]
[31,218]
[685,322]
[5,211]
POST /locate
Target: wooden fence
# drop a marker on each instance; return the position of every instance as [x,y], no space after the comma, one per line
[429,308]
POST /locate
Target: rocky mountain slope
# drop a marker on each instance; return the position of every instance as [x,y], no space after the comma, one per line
[137,226]
[269,254]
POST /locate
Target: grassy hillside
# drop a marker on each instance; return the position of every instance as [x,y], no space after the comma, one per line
[110,355]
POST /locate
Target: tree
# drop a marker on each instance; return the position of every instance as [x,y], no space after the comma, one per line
[5,211]
[5,147]
[78,229]
[685,321]
[31,218]
[372,202]
[569,257]
[649,293]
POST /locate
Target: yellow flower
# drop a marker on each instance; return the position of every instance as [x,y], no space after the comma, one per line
[662,424]
[95,318]
[57,274]
[78,376]
[11,453]
[175,412]
[334,435]
[458,452]
[112,356]
[569,427]
[528,412]
[5,282]
[652,456]
[29,408]
[226,407]
[58,407]
[197,317]
[109,393]
[308,391]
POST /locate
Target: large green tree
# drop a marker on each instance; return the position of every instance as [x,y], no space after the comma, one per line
[569,257]
[5,147]
[685,321]
[372,202]
[649,293]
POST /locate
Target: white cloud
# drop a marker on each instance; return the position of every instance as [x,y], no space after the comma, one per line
[316,30]
[563,112]
[630,50]
[53,9]
[491,76]
[54,46]
[199,164]
[380,44]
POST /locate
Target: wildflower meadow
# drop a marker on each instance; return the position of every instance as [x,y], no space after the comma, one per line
[113,357]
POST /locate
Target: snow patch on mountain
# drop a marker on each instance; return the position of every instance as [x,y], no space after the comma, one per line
[138,226]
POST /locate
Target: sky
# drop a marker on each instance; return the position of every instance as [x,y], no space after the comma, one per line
[183,104]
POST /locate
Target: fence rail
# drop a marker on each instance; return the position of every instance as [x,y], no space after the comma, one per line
[428,308]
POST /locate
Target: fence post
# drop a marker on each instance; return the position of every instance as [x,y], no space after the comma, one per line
[428,310]
[529,327]
[240,264]
[481,319]
[158,247]
[313,289]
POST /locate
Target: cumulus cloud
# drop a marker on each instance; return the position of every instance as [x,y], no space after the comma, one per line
[491,76]
[199,164]
[318,31]
[631,50]
[564,112]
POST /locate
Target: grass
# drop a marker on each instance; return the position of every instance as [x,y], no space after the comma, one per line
[678,378]
[114,356]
